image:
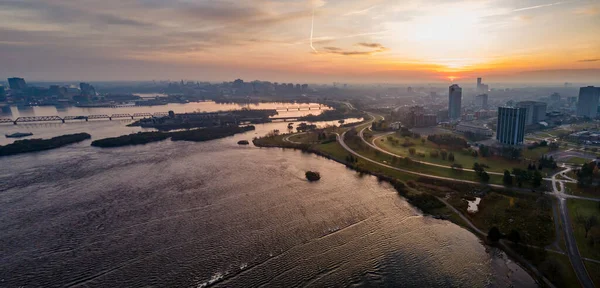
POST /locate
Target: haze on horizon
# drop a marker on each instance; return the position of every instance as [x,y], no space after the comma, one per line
[352,40]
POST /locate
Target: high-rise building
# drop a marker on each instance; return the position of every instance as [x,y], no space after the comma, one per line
[511,125]
[17,83]
[481,88]
[587,106]
[481,101]
[555,97]
[536,111]
[454,102]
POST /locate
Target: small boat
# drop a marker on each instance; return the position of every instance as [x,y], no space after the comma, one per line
[243,142]
[18,135]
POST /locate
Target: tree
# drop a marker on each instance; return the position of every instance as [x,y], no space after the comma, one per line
[587,222]
[480,171]
[494,235]
[507,179]
[444,154]
[514,237]
[412,151]
[537,178]
[484,151]
[477,167]
[451,157]
[434,154]
[423,140]
[521,176]
[484,176]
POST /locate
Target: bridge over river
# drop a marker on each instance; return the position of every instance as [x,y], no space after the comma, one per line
[67,119]
[64,119]
[298,108]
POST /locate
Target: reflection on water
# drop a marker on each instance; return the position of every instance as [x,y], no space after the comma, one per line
[103,129]
[215,213]
[208,106]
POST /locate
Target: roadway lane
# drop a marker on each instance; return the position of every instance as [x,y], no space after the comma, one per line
[572,251]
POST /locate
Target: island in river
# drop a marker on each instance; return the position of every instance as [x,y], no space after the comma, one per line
[34,145]
[197,135]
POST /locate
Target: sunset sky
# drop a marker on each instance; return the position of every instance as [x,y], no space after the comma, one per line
[352,40]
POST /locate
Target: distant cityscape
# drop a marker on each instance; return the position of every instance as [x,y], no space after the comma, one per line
[483,116]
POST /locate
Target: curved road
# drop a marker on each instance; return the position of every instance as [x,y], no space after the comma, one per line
[572,250]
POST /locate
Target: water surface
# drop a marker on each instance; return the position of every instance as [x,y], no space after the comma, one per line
[218,214]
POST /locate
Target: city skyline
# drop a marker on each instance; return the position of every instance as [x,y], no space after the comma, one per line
[316,41]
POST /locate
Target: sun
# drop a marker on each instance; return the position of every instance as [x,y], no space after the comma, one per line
[452,78]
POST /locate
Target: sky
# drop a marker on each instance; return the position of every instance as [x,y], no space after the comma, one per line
[366,41]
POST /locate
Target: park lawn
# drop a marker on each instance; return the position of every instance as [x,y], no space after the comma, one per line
[336,151]
[593,269]
[585,208]
[536,153]
[309,137]
[272,140]
[578,160]
[373,154]
[569,277]
[530,215]
[574,189]
[333,149]
[496,164]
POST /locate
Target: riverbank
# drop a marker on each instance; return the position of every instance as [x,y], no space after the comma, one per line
[528,214]
[34,145]
[196,135]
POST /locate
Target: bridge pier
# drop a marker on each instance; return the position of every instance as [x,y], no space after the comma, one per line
[63,120]
[110,118]
[15,122]
[86,119]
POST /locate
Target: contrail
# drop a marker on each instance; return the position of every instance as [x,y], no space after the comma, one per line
[312,28]
[541,6]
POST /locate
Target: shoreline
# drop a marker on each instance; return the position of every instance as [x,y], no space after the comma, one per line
[522,262]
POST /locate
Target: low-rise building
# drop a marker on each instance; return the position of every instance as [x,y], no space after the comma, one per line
[395,125]
[475,129]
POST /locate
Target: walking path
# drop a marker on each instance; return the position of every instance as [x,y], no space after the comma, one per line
[572,250]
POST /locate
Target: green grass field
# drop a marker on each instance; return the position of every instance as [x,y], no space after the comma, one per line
[593,269]
[573,189]
[585,208]
[531,216]
[497,164]
[578,161]
[367,151]
[536,153]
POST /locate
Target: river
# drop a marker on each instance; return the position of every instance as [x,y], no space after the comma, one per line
[218,214]
[207,106]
